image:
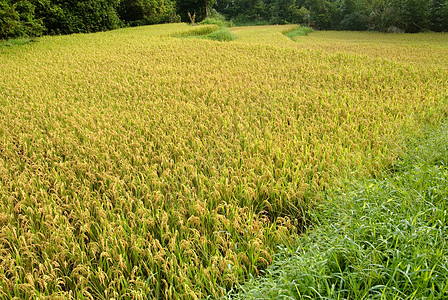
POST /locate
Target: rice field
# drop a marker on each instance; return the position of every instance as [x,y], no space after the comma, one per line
[138,165]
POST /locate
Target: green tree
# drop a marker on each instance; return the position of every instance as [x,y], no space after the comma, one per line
[17,18]
[9,21]
[201,8]
[438,15]
[415,15]
[143,12]
[354,15]
[51,14]
[319,17]
[87,15]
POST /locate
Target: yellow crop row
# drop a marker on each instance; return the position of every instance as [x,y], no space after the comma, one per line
[137,165]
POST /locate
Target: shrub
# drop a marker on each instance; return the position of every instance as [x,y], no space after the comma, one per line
[18,20]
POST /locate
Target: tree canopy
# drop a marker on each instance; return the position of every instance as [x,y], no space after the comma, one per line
[38,17]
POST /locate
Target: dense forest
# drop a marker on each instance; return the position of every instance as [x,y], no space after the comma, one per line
[39,17]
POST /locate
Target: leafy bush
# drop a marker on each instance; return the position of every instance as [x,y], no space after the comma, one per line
[88,15]
[354,21]
[18,19]
[138,12]
[9,21]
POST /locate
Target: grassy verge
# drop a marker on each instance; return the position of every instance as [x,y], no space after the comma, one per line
[383,238]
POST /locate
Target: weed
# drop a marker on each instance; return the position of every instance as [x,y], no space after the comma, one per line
[379,238]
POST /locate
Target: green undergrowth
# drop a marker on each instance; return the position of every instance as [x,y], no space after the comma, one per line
[217,20]
[378,239]
[299,31]
[245,22]
[16,42]
[209,32]
[224,35]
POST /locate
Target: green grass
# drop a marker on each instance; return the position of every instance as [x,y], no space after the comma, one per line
[224,35]
[299,31]
[214,29]
[15,42]
[379,239]
[210,33]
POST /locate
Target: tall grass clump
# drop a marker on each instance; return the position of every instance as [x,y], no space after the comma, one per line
[224,35]
[297,32]
[382,238]
[134,164]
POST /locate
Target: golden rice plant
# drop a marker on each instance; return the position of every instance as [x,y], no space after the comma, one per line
[137,165]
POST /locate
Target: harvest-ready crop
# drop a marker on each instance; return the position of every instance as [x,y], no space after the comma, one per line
[135,164]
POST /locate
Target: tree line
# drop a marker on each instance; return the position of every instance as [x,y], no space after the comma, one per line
[38,17]
[378,15]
